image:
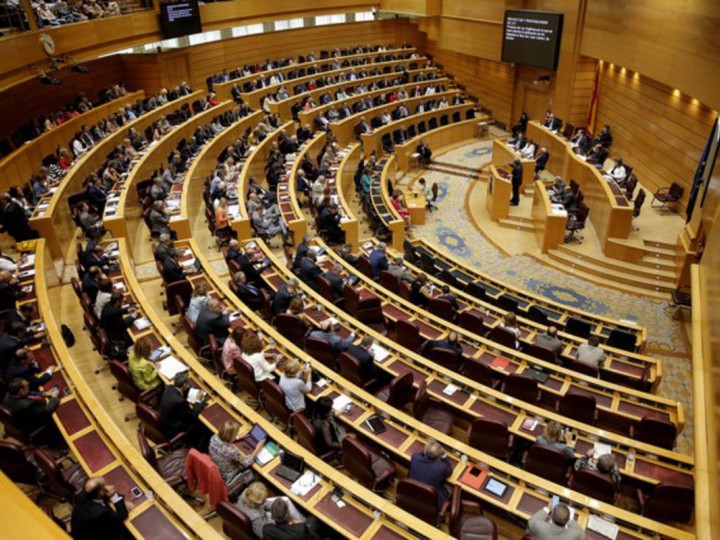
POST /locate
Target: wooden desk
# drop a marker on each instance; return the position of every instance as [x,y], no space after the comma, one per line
[156,155]
[416,205]
[284,107]
[383,208]
[55,223]
[556,312]
[17,167]
[254,166]
[503,155]
[372,142]
[610,213]
[308,117]
[345,183]
[549,222]
[465,130]
[205,164]
[98,444]
[499,192]
[254,98]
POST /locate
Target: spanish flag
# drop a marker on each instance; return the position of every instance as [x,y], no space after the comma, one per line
[594,100]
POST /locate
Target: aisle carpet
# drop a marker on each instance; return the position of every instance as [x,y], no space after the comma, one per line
[451,229]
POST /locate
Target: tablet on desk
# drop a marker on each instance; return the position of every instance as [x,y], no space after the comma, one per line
[495,487]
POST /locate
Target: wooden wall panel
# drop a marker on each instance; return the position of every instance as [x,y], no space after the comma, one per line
[674,42]
[32,98]
[582,91]
[658,131]
[491,82]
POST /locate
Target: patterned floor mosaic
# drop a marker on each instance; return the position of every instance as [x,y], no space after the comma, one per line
[451,229]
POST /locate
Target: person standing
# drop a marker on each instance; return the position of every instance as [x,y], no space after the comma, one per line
[517,172]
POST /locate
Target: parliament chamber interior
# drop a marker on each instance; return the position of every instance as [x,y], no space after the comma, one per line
[349,269]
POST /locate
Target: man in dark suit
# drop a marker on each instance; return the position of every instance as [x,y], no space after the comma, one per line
[362,354]
[14,337]
[336,281]
[330,222]
[34,410]
[347,255]
[541,161]
[309,270]
[247,267]
[248,293]
[286,292]
[10,290]
[22,315]
[283,527]
[114,321]
[517,172]
[212,320]
[24,366]
[432,467]
[100,512]
[172,268]
[91,282]
[450,297]
[178,416]
[301,251]
[378,259]
[451,342]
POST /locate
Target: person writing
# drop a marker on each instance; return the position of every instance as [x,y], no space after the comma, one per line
[235,468]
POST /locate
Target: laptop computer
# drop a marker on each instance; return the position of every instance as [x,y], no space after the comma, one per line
[292,466]
[256,435]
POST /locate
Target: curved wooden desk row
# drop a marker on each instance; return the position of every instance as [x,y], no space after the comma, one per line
[365,514]
[344,130]
[507,409]
[372,142]
[610,212]
[204,165]
[157,155]
[618,364]
[94,439]
[287,199]
[254,167]
[556,312]
[223,89]
[561,381]
[308,117]
[17,167]
[345,186]
[381,206]
[53,221]
[405,435]
[283,107]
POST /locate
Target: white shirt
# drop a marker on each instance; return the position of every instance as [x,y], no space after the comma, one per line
[528,152]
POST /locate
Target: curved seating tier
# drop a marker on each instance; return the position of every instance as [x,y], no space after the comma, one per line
[26,160]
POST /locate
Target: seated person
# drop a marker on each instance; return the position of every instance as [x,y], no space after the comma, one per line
[142,369]
[24,366]
[618,173]
[235,468]
[296,381]
[179,416]
[34,410]
[285,293]
[248,293]
[560,525]
[541,161]
[347,255]
[554,437]
[334,276]
[590,353]
[432,467]
[420,291]
[255,504]
[604,464]
[263,365]
[398,202]
[285,526]
[424,152]
[10,290]
[528,151]
[445,294]
[115,320]
[330,332]
[510,323]
[198,299]
[330,223]
[363,355]
[328,433]
[100,512]
[172,269]
[549,340]
[398,269]
[212,319]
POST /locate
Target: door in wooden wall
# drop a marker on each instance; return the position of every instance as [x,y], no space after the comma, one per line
[536,100]
[175,67]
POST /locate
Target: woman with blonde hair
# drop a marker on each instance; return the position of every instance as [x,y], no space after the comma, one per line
[198,300]
[142,370]
[252,353]
[255,504]
[510,323]
[296,381]
[554,437]
[235,468]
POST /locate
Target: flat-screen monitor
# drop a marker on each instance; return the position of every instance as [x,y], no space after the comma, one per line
[532,38]
[180,18]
